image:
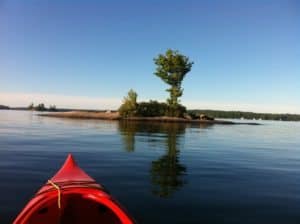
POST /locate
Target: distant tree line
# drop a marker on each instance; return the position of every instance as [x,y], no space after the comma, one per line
[41,107]
[245,115]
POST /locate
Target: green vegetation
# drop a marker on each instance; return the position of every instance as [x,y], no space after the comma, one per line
[41,107]
[157,109]
[31,106]
[152,109]
[172,68]
[245,115]
[129,106]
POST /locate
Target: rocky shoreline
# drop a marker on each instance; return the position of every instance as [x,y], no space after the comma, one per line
[116,116]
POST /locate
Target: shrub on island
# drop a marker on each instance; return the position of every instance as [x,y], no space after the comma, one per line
[152,109]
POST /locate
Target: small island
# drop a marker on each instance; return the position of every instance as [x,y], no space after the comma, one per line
[171,68]
[114,115]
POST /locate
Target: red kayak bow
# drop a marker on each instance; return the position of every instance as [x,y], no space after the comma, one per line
[72,196]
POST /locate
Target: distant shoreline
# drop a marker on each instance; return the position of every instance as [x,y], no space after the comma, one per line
[116,116]
[239,115]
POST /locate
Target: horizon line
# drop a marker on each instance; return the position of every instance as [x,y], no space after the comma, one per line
[22,100]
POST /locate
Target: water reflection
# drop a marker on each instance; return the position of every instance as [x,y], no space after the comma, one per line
[128,131]
[167,173]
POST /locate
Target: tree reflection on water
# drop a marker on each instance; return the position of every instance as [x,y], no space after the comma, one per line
[128,131]
[167,173]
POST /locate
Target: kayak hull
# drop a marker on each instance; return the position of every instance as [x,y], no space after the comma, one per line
[72,196]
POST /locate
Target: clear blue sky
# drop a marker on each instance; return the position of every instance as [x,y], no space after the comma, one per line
[246,53]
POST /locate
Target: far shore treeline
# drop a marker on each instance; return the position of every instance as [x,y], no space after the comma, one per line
[246,115]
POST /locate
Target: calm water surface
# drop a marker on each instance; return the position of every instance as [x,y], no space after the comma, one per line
[162,173]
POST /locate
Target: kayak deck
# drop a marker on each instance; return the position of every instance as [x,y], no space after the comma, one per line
[72,196]
[76,210]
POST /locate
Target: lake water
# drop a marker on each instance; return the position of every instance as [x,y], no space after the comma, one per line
[162,173]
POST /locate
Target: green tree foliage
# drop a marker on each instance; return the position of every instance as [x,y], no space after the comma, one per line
[129,106]
[157,109]
[177,111]
[40,107]
[172,68]
[31,106]
[152,109]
